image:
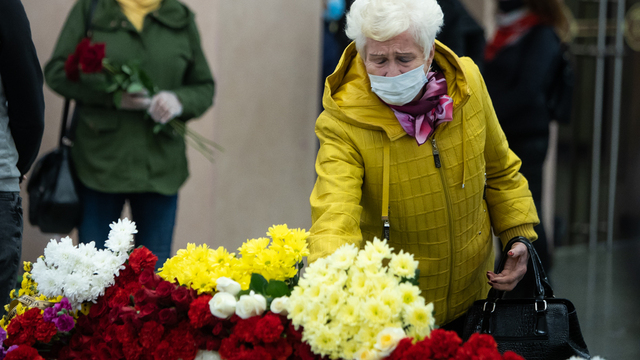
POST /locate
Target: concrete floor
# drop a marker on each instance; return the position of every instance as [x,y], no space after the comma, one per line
[605,288]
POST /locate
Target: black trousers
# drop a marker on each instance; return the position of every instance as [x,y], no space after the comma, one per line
[10,243]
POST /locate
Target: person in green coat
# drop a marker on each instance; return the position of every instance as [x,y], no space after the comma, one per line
[116,154]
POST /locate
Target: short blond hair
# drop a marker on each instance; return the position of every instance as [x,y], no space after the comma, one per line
[382,20]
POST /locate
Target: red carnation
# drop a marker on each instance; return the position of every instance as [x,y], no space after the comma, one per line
[481,346]
[269,328]
[168,316]
[119,299]
[279,350]
[181,297]
[164,289]
[23,352]
[182,342]
[200,313]
[90,56]
[45,331]
[245,329]
[142,258]
[294,334]
[151,334]
[419,351]
[402,347]
[149,279]
[444,344]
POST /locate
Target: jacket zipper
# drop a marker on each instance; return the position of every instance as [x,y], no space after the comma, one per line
[438,163]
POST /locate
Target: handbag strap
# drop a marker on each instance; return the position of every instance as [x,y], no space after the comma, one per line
[542,288]
[67,134]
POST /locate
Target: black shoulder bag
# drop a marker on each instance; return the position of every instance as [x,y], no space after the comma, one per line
[54,205]
[537,327]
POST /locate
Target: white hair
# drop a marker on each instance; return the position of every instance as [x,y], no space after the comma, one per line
[382,20]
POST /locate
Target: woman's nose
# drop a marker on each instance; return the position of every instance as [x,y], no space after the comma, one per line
[393,70]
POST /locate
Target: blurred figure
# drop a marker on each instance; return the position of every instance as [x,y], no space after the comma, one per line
[21,128]
[117,156]
[461,33]
[521,63]
[334,40]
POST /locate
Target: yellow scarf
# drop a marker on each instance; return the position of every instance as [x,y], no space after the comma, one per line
[136,10]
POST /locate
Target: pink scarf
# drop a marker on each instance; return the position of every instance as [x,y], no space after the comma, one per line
[419,118]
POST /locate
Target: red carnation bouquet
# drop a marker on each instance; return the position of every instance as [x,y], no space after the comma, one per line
[90,65]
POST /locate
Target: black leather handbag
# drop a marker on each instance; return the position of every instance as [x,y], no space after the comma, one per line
[54,205]
[529,320]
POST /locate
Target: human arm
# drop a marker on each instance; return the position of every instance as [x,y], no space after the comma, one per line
[196,93]
[72,33]
[335,200]
[22,82]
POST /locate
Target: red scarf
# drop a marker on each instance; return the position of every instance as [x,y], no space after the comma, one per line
[509,34]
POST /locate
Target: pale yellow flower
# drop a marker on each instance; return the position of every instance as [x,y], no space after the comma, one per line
[375,312]
[403,265]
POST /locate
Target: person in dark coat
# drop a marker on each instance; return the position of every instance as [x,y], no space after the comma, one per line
[461,33]
[21,128]
[520,66]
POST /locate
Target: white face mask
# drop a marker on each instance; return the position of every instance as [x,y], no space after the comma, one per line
[401,89]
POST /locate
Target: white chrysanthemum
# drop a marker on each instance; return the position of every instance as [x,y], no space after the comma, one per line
[121,236]
[403,265]
[408,293]
[369,260]
[421,318]
[207,355]
[344,257]
[391,299]
[375,312]
[379,247]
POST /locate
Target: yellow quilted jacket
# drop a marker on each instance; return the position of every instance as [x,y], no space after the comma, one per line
[438,213]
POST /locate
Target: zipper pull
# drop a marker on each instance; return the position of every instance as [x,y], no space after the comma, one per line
[436,153]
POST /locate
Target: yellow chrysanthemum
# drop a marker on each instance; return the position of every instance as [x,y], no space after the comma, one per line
[403,265]
[375,312]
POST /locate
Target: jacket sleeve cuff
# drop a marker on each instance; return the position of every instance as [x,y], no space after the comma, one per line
[525,230]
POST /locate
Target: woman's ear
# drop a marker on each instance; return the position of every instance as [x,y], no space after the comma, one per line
[429,61]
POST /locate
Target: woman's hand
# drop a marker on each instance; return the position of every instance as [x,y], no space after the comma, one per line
[514,269]
[135,101]
[164,107]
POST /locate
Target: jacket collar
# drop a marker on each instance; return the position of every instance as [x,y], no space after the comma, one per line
[171,13]
[348,96]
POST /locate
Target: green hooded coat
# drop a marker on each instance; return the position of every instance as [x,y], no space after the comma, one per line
[116,151]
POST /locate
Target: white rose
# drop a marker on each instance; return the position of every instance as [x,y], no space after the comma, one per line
[224,284]
[207,355]
[388,340]
[251,305]
[222,305]
[280,305]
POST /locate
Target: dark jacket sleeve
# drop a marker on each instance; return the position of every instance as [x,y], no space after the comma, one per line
[72,33]
[22,81]
[196,93]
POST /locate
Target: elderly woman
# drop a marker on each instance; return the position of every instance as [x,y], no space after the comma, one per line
[410,147]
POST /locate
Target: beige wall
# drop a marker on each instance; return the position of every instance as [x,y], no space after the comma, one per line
[265,58]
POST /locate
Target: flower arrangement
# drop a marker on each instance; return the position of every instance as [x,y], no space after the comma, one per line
[276,258]
[368,305]
[82,273]
[352,305]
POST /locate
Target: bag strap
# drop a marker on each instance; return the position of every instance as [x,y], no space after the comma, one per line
[542,288]
[67,134]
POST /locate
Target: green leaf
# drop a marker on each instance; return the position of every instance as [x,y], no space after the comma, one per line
[135,87]
[258,284]
[120,78]
[126,69]
[243,292]
[117,98]
[111,88]
[277,289]
[147,83]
